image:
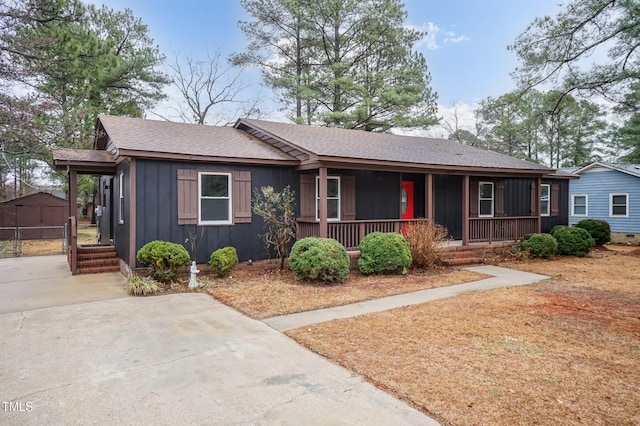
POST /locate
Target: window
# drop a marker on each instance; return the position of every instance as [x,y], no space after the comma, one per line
[121,200]
[485,199]
[579,205]
[618,205]
[545,191]
[214,198]
[333,198]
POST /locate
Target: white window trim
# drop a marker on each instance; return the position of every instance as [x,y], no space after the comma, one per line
[611,195]
[493,195]
[121,198]
[229,183]
[339,198]
[548,213]
[573,205]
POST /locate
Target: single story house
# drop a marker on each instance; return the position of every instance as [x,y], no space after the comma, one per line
[608,192]
[175,181]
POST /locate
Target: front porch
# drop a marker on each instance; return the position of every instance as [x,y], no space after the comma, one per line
[480,230]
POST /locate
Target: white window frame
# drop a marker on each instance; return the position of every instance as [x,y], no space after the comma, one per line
[121,198]
[339,198]
[618,194]
[492,199]
[229,198]
[573,205]
[548,212]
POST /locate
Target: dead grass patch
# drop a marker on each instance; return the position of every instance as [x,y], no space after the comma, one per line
[262,293]
[563,351]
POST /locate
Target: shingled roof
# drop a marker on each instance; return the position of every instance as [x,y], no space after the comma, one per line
[152,138]
[360,146]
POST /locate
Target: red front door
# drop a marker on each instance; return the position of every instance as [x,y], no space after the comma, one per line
[406,200]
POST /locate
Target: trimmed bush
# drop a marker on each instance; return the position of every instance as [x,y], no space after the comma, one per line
[573,241]
[540,245]
[426,241]
[142,286]
[322,259]
[223,261]
[557,228]
[599,230]
[384,253]
[164,257]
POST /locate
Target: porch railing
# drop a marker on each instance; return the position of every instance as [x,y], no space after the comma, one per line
[481,230]
[488,229]
[351,232]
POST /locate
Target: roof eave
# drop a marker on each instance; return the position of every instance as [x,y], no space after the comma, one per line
[204,158]
[367,164]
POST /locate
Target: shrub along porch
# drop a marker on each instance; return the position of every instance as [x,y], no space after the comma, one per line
[191,183]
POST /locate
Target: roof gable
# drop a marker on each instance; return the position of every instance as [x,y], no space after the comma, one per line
[630,169]
[39,198]
[153,138]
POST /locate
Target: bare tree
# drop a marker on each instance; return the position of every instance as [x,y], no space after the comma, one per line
[454,124]
[212,91]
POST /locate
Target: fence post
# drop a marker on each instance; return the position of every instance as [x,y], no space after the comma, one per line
[16,242]
[64,239]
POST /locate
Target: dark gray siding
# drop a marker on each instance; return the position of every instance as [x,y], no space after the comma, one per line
[448,203]
[157,209]
[548,222]
[517,196]
[377,194]
[121,231]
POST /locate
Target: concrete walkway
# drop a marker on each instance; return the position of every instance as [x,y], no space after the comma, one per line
[45,281]
[502,277]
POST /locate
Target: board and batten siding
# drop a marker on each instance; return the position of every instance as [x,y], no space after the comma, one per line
[159,209]
[598,183]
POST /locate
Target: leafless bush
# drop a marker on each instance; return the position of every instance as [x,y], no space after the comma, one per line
[426,240]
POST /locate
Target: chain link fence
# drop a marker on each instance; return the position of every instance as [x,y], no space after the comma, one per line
[32,241]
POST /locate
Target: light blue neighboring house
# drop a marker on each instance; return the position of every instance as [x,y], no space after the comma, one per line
[609,192]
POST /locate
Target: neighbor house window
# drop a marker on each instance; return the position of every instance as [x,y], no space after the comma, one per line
[485,203]
[579,205]
[121,200]
[214,198]
[333,198]
[545,190]
[619,205]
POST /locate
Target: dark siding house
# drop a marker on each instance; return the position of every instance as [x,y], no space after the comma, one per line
[174,182]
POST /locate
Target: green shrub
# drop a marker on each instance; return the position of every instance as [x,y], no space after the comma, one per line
[540,245]
[222,261]
[557,228]
[599,230]
[164,257]
[142,286]
[384,253]
[573,241]
[319,259]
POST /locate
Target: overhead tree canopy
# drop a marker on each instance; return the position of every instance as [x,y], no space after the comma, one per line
[567,49]
[345,63]
[61,64]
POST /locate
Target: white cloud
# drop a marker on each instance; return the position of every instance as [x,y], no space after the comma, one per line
[434,35]
[431,31]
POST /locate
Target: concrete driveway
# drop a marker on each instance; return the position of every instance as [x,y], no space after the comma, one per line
[181,359]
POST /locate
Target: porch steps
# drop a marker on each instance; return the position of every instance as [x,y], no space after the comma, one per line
[97,259]
[473,254]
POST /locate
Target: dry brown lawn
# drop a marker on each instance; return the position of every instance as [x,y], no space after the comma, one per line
[563,351]
[265,292]
[86,235]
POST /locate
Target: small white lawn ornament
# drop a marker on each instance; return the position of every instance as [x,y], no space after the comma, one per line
[192,280]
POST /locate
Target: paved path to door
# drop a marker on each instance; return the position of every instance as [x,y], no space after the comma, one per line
[501,277]
[181,359]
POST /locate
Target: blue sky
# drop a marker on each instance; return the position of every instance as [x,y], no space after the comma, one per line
[466,48]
